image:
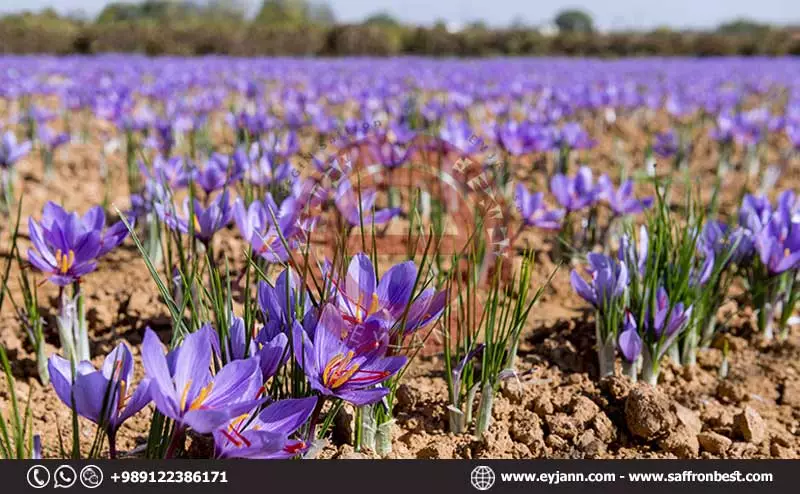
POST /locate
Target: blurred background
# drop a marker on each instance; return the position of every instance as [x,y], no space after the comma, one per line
[610,28]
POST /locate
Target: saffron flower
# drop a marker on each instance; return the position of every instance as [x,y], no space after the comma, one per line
[172,173]
[622,201]
[364,300]
[184,389]
[103,396]
[575,193]
[11,151]
[279,304]
[678,316]
[267,436]
[336,369]
[634,257]
[270,350]
[66,246]
[347,202]
[666,144]
[630,344]
[207,220]
[214,175]
[755,212]
[534,211]
[778,244]
[609,280]
[256,225]
[51,139]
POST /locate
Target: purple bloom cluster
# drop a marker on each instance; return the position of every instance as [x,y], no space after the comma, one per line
[67,246]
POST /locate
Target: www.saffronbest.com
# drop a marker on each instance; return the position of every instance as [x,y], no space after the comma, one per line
[553,478]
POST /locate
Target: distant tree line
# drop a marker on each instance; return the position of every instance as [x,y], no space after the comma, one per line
[306,28]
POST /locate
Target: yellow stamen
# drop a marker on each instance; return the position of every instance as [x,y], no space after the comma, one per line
[235,423]
[344,376]
[185,394]
[197,228]
[374,305]
[786,252]
[201,397]
[339,370]
[123,397]
[327,373]
[65,262]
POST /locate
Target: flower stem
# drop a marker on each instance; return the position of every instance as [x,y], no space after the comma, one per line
[112,446]
[177,437]
[312,427]
[485,409]
[650,371]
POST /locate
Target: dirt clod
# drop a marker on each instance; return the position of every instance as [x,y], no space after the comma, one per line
[681,442]
[687,418]
[648,413]
[714,443]
[750,426]
[583,409]
[526,428]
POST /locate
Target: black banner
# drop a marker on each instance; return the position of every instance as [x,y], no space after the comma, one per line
[401,477]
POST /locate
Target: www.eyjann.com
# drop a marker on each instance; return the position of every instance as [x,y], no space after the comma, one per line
[553,478]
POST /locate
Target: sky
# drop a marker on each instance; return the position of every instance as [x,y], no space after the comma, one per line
[608,14]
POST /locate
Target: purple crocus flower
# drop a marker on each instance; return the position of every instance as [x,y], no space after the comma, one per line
[67,246]
[257,226]
[335,369]
[456,134]
[266,437]
[214,175]
[700,277]
[755,212]
[207,220]
[279,305]
[391,154]
[630,343]
[364,300]
[262,168]
[716,238]
[621,201]
[103,396]
[236,345]
[534,211]
[666,144]
[184,389]
[285,144]
[271,351]
[609,280]
[678,317]
[778,244]
[512,136]
[173,173]
[634,257]
[11,151]
[347,202]
[52,140]
[575,193]
[573,136]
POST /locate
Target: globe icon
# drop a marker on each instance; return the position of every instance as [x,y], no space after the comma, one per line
[482,478]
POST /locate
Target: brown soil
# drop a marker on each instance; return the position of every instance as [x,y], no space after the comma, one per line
[556,409]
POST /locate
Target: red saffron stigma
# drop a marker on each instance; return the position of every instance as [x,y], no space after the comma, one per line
[230,438]
[294,448]
[370,375]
